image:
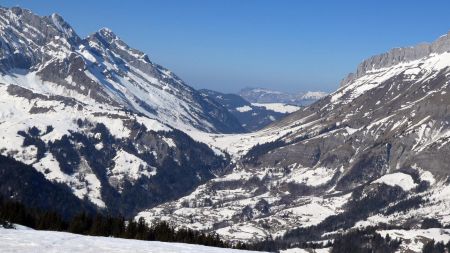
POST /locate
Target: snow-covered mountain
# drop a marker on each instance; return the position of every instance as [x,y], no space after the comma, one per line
[45,55]
[260,95]
[100,117]
[373,152]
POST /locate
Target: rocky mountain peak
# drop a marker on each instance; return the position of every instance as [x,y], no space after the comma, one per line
[28,40]
[108,39]
[63,27]
[107,34]
[399,55]
[53,25]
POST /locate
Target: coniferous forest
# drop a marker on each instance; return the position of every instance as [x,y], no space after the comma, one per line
[12,212]
[436,247]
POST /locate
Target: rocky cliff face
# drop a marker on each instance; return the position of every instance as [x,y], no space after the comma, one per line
[373,152]
[399,55]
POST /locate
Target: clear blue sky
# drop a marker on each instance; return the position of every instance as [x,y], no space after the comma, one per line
[290,45]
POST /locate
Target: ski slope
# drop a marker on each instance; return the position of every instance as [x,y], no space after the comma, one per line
[32,241]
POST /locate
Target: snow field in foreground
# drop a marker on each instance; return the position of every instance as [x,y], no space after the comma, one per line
[33,241]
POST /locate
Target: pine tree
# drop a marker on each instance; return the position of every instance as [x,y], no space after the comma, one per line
[131,229]
[80,224]
[141,229]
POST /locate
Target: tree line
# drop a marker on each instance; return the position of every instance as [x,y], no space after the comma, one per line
[12,212]
[436,247]
[365,241]
[358,241]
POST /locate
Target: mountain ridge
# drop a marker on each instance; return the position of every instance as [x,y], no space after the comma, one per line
[398,55]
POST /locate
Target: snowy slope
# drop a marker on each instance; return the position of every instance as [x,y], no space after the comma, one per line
[30,241]
[414,240]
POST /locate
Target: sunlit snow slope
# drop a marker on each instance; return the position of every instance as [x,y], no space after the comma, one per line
[31,241]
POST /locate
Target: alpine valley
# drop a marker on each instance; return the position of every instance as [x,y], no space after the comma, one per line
[91,124]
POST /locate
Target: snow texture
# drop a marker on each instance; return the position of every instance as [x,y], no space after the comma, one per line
[31,241]
[397,179]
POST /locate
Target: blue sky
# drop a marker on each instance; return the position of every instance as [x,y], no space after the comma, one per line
[226,45]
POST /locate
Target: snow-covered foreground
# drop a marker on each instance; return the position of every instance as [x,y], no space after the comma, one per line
[24,241]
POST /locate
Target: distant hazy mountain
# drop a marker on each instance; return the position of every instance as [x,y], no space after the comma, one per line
[260,95]
[251,116]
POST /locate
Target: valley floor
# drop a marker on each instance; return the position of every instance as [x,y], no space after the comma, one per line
[31,241]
